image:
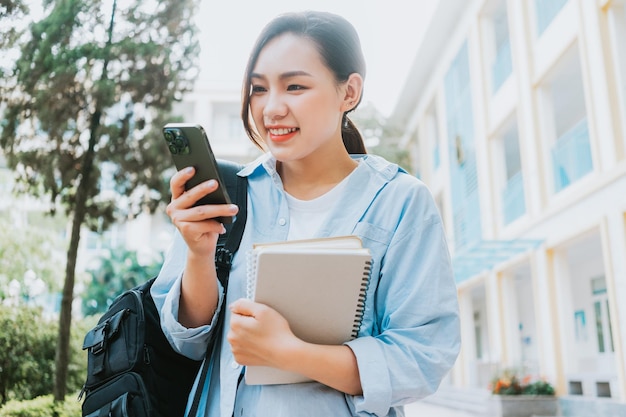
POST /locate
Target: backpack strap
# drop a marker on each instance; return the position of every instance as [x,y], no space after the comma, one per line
[227,245]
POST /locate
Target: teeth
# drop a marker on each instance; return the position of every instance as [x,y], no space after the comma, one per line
[282,131]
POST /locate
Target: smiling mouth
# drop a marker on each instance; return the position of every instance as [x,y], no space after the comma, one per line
[282,131]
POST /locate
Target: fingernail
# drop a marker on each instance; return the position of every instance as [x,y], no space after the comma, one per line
[233,208]
[211,183]
[188,170]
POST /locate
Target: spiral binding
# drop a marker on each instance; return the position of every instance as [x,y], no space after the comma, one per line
[251,258]
[360,306]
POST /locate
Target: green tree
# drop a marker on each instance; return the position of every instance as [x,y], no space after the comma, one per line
[117,272]
[11,11]
[86,96]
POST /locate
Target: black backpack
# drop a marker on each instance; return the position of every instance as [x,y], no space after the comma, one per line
[131,368]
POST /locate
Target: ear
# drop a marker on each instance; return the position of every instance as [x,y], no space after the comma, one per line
[353,88]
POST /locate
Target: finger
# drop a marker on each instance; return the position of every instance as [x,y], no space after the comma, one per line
[178,180]
[208,211]
[244,307]
[187,198]
[198,230]
[192,195]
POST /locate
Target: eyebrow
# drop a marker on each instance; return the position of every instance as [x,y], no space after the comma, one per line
[284,75]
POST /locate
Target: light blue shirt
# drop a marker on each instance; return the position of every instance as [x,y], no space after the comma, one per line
[409,338]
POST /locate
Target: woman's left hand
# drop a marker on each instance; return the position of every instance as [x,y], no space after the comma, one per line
[259,335]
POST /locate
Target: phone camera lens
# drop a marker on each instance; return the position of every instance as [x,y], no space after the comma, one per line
[179,142]
[176,141]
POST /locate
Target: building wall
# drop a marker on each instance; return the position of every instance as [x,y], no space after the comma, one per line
[217,109]
[539,282]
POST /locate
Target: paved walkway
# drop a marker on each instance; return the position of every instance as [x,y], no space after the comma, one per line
[422,409]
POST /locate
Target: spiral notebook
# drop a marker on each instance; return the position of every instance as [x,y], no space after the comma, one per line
[318,285]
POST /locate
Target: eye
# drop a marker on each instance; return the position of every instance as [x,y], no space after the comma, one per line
[295,87]
[257,89]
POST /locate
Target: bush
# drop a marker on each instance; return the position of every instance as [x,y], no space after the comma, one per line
[538,388]
[27,354]
[42,407]
[27,350]
[509,383]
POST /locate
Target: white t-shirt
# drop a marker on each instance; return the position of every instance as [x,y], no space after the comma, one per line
[306,216]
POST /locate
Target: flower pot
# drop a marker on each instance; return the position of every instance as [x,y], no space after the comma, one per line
[523,405]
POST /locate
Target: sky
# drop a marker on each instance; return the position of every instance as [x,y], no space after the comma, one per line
[390,32]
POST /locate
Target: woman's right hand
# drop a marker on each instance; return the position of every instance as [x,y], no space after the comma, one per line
[197,225]
[200,229]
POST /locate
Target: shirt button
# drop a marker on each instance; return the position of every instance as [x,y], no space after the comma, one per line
[282,221]
[234,365]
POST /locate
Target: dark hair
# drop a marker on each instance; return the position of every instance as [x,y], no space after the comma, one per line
[339,46]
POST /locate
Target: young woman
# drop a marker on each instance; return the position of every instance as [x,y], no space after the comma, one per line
[305,74]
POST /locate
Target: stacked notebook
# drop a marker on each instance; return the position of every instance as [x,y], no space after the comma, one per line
[318,285]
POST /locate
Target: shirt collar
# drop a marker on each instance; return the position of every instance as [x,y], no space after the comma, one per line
[267,161]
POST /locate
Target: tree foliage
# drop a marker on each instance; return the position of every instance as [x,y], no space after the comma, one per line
[11,12]
[74,85]
[82,101]
[118,271]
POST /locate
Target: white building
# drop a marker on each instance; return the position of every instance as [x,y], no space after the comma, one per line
[515,111]
[218,109]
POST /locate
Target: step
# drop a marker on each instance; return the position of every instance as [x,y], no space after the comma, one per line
[471,400]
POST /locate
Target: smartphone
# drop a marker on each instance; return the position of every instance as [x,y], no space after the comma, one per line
[189,146]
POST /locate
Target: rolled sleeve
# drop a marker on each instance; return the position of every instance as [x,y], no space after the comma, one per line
[166,290]
[191,342]
[374,374]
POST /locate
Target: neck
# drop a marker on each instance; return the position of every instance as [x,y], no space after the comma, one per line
[307,181]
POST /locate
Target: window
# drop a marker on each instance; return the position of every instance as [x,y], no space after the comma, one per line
[227,127]
[235,128]
[478,334]
[546,11]
[501,67]
[604,334]
[513,201]
[617,25]
[463,170]
[564,121]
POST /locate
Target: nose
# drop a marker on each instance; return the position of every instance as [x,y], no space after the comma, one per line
[275,107]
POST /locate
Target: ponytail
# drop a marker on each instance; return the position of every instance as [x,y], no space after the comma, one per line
[352,139]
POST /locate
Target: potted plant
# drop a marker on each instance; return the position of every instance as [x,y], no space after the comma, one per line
[522,397]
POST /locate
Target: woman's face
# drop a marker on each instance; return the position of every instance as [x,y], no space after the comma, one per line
[295,101]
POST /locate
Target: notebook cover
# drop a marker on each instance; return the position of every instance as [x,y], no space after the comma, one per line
[319,291]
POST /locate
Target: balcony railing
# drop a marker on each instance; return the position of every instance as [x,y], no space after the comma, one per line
[502,67]
[546,11]
[571,156]
[513,202]
[467,224]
